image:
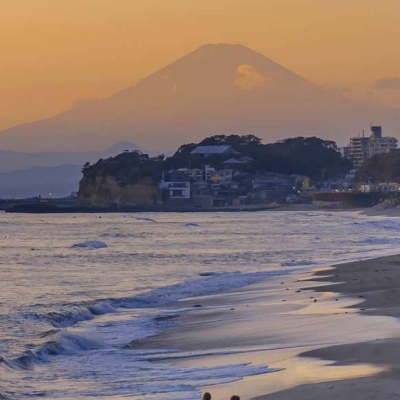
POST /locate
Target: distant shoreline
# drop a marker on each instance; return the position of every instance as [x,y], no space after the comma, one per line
[57,208]
[51,208]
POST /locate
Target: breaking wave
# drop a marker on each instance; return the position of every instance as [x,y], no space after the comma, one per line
[3,396]
[77,314]
[384,224]
[63,343]
[208,283]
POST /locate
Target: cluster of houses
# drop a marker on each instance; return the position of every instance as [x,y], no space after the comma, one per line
[228,185]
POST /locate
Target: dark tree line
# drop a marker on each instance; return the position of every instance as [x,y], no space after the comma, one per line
[383,167]
[310,156]
[126,168]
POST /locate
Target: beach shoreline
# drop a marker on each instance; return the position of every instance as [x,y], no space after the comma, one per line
[376,282]
[44,207]
[295,325]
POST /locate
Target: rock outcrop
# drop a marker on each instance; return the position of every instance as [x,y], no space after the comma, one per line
[127,180]
[105,191]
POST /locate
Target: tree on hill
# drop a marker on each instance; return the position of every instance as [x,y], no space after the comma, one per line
[310,156]
[241,143]
[246,145]
[127,168]
[383,167]
[237,142]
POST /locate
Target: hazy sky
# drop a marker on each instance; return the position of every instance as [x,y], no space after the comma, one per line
[54,52]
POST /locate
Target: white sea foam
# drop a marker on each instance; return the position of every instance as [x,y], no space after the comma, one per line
[207,283]
[194,287]
[64,342]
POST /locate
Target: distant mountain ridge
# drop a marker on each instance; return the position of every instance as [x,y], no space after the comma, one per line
[13,160]
[215,89]
[32,174]
[58,181]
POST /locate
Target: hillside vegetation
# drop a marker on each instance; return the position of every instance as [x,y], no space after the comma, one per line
[383,167]
[132,178]
[309,156]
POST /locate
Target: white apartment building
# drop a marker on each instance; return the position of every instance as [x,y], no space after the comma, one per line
[360,148]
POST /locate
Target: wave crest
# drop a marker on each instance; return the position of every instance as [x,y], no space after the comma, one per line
[63,343]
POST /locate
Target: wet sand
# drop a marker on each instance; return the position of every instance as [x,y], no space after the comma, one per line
[381,211]
[332,334]
[377,282]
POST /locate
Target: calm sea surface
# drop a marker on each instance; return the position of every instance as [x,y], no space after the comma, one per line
[75,289]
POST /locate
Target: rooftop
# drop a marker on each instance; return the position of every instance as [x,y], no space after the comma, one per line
[233,161]
[213,150]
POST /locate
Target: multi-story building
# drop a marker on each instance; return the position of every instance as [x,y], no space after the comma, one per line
[361,147]
[379,144]
[357,150]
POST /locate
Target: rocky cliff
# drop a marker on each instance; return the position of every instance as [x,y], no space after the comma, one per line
[127,180]
[105,191]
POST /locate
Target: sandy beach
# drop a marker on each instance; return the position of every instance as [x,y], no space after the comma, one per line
[330,334]
[376,282]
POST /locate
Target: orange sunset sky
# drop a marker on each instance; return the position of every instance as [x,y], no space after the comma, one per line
[54,52]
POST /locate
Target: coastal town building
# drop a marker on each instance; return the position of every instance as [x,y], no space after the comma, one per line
[177,190]
[362,147]
[357,150]
[215,187]
[176,186]
[233,162]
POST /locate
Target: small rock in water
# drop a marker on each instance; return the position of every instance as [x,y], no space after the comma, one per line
[145,219]
[197,305]
[90,244]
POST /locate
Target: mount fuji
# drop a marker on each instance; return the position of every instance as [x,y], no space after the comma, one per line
[216,89]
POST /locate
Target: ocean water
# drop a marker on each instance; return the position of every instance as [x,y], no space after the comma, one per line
[76,289]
